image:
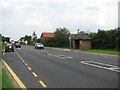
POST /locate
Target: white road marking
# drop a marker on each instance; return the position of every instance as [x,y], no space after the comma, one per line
[60,56]
[110,67]
[67,50]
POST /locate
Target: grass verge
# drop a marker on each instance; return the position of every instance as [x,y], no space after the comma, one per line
[6,81]
[59,47]
[112,52]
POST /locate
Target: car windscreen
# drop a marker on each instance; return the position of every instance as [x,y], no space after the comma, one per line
[39,44]
[9,44]
[17,43]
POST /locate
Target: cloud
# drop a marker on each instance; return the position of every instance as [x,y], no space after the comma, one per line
[47,15]
[93,8]
[4,5]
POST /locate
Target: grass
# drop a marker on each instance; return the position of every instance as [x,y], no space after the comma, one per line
[112,52]
[6,81]
[0,75]
[59,47]
[3,46]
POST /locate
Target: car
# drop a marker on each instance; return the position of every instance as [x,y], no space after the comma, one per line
[39,46]
[17,45]
[9,47]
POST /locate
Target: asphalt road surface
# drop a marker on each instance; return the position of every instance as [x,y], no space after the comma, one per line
[51,68]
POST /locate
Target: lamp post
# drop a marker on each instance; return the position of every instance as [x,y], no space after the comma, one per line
[78,30]
[70,41]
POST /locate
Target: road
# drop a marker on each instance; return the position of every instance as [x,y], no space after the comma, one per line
[51,68]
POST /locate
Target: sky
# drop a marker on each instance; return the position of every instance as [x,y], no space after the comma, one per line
[22,17]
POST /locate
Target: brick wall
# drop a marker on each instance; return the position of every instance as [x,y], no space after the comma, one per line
[85,44]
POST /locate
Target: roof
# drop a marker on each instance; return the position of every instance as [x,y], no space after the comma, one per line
[46,34]
[72,35]
[82,36]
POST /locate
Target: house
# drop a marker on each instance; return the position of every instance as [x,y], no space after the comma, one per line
[78,41]
[72,35]
[46,35]
[81,41]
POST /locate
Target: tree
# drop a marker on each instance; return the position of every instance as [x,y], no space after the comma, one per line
[27,38]
[34,36]
[109,39]
[62,37]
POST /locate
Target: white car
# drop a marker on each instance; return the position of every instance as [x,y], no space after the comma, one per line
[39,46]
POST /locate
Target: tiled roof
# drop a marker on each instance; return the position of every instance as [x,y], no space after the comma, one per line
[46,34]
[82,36]
[72,35]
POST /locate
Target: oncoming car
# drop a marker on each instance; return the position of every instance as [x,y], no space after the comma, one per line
[39,46]
[9,47]
[17,45]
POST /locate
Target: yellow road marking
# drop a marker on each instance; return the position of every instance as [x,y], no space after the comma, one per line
[29,68]
[41,82]
[23,61]
[34,74]
[18,55]
[26,64]
[14,75]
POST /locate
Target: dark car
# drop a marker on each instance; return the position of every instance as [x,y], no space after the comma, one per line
[17,45]
[39,46]
[9,47]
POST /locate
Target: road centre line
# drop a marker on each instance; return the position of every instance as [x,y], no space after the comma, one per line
[41,82]
[112,67]
[29,68]
[19,55]
[26,64]
[34,74]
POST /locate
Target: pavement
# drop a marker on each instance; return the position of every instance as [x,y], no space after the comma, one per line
[53,68]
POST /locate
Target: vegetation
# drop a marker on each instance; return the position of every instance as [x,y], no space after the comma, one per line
[112,52]
[61,38]
[103,40]
[109,39]
[26,38]
[7,39]
[6,81]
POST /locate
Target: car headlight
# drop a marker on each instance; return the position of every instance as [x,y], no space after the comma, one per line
[10,46]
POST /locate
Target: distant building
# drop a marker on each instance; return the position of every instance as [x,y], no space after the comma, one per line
[81,41]
[73,35]
[46,35]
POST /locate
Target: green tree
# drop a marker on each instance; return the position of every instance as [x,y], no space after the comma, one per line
[62,37]
[34,36]
[27,38]
[109,39]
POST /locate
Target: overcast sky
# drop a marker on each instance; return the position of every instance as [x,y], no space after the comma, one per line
[22,17]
